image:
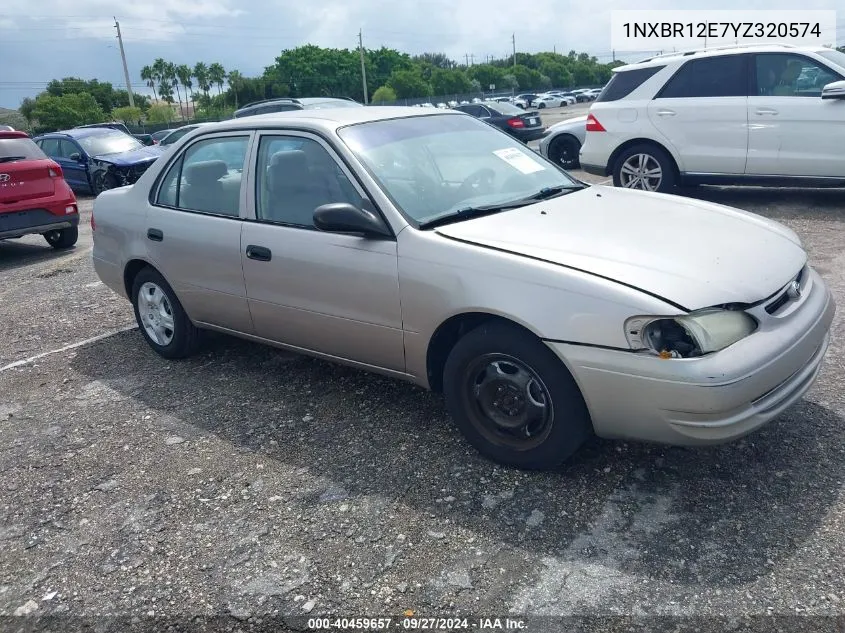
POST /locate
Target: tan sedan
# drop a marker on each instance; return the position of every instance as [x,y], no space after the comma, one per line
[429,246]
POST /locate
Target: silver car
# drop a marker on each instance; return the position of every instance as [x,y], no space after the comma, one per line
[562,142]
[429,246]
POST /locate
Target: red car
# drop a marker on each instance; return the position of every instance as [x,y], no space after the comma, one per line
[34,197]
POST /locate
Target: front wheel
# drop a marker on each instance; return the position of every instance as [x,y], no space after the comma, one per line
[62,238]
[644,167]
[513,399]
[541,106]
[160,316]
[564,151]
[103,182]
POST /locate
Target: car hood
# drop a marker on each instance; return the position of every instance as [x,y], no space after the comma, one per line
[691,253]
[133,157]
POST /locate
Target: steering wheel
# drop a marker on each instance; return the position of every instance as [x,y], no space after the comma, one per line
[477,183]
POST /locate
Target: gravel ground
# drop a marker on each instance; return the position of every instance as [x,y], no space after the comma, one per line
[260,487]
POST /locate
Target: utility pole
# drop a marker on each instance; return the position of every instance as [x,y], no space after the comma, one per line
[513,41]
[125,67]
[613,53]
[363,67]
[466,57]
[472,58]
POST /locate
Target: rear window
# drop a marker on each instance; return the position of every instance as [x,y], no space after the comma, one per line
[624,82]
[23,147]
[505,108]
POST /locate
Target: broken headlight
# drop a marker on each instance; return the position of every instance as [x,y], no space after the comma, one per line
[689,335]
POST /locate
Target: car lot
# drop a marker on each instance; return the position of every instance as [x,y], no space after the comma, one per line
[247,481]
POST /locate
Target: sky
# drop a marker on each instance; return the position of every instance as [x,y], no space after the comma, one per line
[48,39]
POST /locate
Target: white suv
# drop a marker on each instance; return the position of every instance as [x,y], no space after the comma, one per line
[767,114]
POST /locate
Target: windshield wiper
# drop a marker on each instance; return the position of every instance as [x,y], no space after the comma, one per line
[551,192]
[9,159]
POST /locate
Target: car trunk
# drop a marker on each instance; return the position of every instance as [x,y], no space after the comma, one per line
[531,119]
[26,180]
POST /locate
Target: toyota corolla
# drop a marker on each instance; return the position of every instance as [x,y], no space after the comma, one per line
[431,247]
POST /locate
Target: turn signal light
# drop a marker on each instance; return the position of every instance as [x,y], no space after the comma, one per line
[593,124]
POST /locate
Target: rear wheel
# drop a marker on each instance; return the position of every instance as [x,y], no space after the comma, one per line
[62,238]
[513,399]
[160,316]
[564,151]
[541,106]
[644,167]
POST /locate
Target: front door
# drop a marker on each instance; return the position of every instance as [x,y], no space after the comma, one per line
[325,292]
[702,113]
[793,131]
[193,230]
[74,163]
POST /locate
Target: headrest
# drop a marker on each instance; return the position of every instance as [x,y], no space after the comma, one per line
[289,168]
[205,172]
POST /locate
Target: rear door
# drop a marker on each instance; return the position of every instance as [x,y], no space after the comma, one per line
[793,131]
[702,113]
[193,230]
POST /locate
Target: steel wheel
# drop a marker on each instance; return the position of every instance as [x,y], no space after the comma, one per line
[156,313]
[641,171]
[508,402]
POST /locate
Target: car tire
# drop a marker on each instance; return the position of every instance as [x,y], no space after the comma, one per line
[632,166]
[161,318]
[103,182]
[564,151]
[62,238]
[497,358]
[540,106]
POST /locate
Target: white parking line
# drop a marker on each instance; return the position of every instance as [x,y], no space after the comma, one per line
[32,359]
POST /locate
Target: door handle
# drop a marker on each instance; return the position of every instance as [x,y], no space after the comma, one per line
[155,235]
[258,253]
[666,113]
[762,111]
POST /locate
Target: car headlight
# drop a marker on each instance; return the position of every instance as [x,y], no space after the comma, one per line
[689,335]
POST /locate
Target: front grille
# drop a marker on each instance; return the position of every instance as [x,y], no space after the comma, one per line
[783,298]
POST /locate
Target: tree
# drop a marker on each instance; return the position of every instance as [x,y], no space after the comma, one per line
[183,74]
[445,82]
[149,78]
[160,113]
[235,80]
[408,83]
[159,73]
[128,114]
[486,74]
[509,82]
[216,76]
[383,94]
[65,111]
[201,75]
[438,60]
[173,80]
[26,108]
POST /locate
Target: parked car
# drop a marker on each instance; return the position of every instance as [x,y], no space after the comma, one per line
[567,97]
[525,126]
[34,197]
[562,142]
[431,247]
[548,101]
[175,135]
[146,139]
[524,100]
[94,159]
[285,104]
[735,115]
[157,136]
[6,128]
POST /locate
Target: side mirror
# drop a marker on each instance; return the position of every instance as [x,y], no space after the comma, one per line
[76,156]
[835,90]
[342,217]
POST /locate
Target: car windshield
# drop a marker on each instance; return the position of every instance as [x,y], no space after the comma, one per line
[111,142]
[837,57]
[176,135]
[12,149]
[433,167]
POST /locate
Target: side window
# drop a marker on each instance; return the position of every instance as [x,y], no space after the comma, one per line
[50,146]
[724,76]
[296,175]
[624,82]
[66,148]
[474,110]
[790,75]
[207,177]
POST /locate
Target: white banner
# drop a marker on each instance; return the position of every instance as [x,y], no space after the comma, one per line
[667,30]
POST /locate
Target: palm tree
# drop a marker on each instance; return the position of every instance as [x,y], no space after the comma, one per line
[173,80]
[159,74]
[217,75]
[183,73]
[149,77]
[235,81]
[201,75]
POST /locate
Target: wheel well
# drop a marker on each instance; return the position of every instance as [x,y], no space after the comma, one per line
[562,137]
[611,163]
[448,334]
[130,272]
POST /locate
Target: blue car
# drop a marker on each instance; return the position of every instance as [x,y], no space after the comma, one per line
[96,159]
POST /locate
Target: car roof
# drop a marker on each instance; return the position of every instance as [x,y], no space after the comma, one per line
[83,132]
[715,51]
[327,118]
